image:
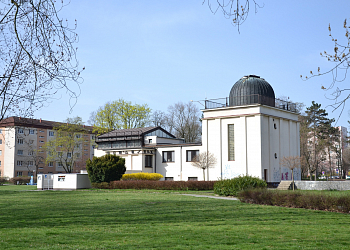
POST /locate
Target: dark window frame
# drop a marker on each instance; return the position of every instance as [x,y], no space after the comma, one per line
[148,161]
[194,153]
[170,156]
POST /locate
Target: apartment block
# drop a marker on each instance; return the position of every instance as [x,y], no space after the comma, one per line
[21,141]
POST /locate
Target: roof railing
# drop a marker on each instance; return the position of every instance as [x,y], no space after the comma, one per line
[250,99]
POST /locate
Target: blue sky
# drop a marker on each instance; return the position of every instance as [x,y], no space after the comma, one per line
[163,52]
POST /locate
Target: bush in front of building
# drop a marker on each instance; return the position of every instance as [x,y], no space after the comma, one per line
[3,180]
[106,168]
[161,185]
[231,187]
[142,176]
[20,180]
[315,201]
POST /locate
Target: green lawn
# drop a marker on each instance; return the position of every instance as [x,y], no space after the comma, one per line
[118,219]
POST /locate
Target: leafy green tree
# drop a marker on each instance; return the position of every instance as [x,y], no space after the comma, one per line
[316,132]
[120,114]
[106,168]
[66,146]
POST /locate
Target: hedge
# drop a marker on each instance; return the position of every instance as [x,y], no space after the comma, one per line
[20,180]
[296,200]
[142,176]
[158,185]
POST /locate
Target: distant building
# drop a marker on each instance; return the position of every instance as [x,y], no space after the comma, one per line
[22,138]
[249,133]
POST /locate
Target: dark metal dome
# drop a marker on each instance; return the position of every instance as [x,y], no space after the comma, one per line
[252,90]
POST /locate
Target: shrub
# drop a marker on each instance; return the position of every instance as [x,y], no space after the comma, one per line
[232,186]
[142,176]
[3,180]
[106,168]
[163,185]
[296,200]
[20,180]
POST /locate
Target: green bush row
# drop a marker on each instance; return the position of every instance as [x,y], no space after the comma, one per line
[231,187]
[20,180]
[296,200]
[158,185]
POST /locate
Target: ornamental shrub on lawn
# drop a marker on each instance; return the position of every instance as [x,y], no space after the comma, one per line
[106,168]
[142,176]
[232,186]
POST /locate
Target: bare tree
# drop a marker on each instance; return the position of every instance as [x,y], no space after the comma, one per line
[291,162]
[236,10]
[183,120]
[158,118]
[37,56]
[204,161]
[340,58]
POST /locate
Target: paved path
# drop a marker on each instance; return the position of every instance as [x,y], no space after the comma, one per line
[214,197]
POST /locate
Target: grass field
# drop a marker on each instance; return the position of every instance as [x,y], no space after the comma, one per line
[125,219]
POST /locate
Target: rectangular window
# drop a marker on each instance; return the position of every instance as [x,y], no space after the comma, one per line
[41,131]
[231,142]
[168,156]
[69,155]
[20,131]
[31,131]
[19,152]
[30,152]
[59,164]
[19,173]
[41,136]
[0,152]
[0,163]
[50,164]
[191,155]
[77,136]
[30,163]
[41,141]
[148,161]
[19,163]
[193,178]
[62,178]
[0,141]
[0,131]
[20,141]
[169,178]
[51,133]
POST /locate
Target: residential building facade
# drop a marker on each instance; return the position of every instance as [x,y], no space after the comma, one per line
[21,147]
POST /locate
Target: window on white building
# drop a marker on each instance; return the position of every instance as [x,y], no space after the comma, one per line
[20,131]
[231,142]
[19,152]
[31,131]
[191,155]
[193,178]
[168,156]
[20,141]
[169,178]
[19,163]
[148,161]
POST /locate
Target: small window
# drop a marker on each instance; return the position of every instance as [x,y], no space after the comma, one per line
[50,164]
[41,141]
[148,161]
[193,178]
[30,163]
[0,152]
[19,173]
[149,141]
[41,136]
[191,155]
[31,141]
[0,131]
[30,152]
[275,155]
[41,131]
[19,152]
[51,133]
[20,141]
[31,131]
[77,136]
[69,155]
[59,164]
[274,126]
[0,141]
[78,155]
[168,156]
[231,142]
[169,178]
[61,178]
[19,163]
[0,163]
[20,131]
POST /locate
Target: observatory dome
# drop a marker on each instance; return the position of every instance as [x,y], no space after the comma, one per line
[251,89]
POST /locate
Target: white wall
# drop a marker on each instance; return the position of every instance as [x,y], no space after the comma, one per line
[9,154]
